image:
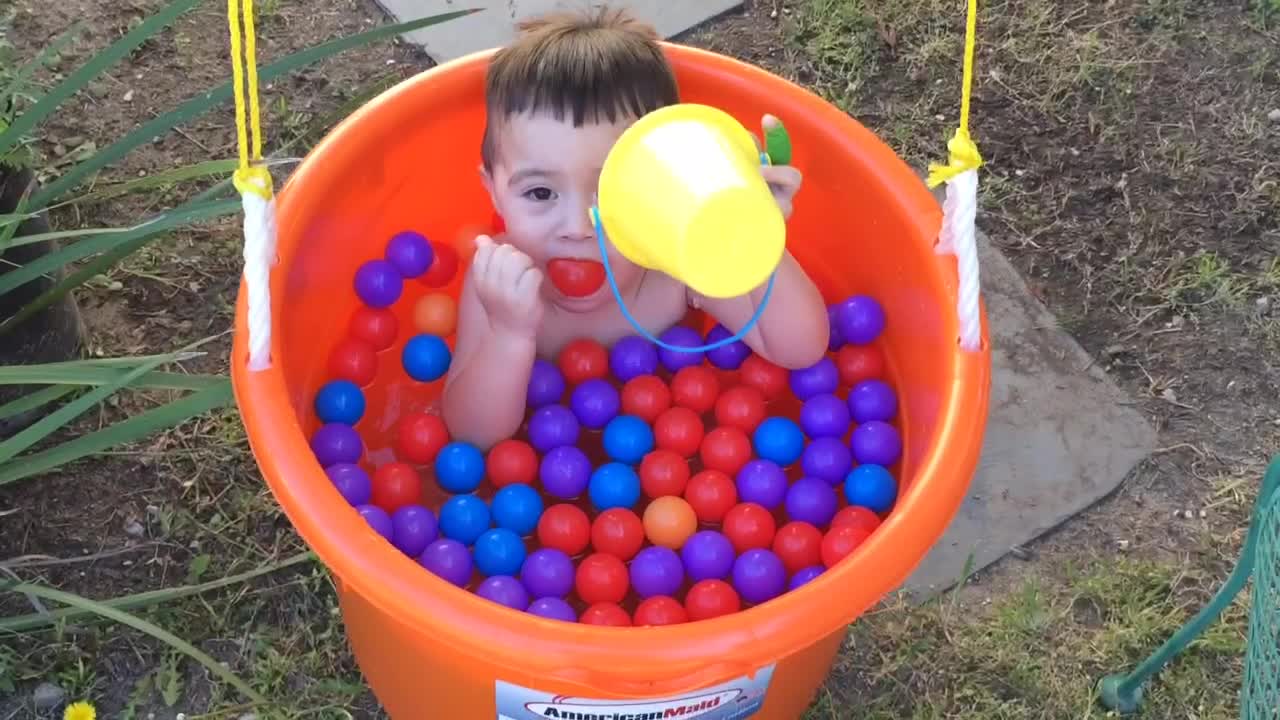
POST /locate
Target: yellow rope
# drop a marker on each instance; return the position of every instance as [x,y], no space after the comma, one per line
[251,175]
[963,151]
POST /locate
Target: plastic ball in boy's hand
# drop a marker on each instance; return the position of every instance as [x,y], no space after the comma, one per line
[443,268]
[726,449]
[876,442]
[708,554]
[759,575]
[436,314]
[464,518]
[614,485]
[769,379]
[632,357]
[564,527]
[646,397]
[663,472]
[499,552]
[812,500]
[618,532]
[856,515]
[553,426]
[749,526]
[459,467]
[601,578]
[824,415]
[696,387]
[669,521]
[426,358]
[840,541]
[656,570]
[583,359]
[872,487]
[376,326]
[354,360]
[378,284]
[679,430]
[395,485]
[547,572]
[546,384]
[860,362]
[709,599]
[336,443]
[762,482]
[835,339]
[872,400]
[821,377]
[711,494]
[804,576]
[378,519]
[799,545]
[414,528]
[726,357]
[606,614]
[553,608]
[420,436]
[449,560]
[504,590]
[595,402]
[628,439]
[827,458]
[410,253]
[660,610]
[511,462]
[742,407]
[860,318]
[517,508]
[565,472]
[680,336]
[779,439]
[352,482]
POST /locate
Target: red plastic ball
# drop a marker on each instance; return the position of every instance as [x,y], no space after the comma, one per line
[605,613]
[711,494]
[841,541]
[564,527]
[742,407]
[798,545]
[354,360]
[679,430]
[601,578]
[749,526]
[660,610]
[583,359]
[860,362]
[769,379]
[858,516]
[663,472]
[511,461]
[443,267]
[420,436]
[618,532]
[726,449]
[646,397]
[376,326]
[710,599]
[695,387]
[395,485]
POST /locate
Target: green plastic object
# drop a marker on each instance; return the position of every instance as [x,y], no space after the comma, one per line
[777,144]
[1260,557]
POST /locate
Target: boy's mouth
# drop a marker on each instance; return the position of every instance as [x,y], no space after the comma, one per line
[575,277]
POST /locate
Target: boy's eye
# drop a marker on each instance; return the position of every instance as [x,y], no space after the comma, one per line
[540,194]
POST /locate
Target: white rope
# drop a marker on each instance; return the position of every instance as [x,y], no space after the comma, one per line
[959,237]
[259,256]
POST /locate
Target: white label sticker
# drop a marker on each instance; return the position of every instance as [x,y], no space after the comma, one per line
[734,700]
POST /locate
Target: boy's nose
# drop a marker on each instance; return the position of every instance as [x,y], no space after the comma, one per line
[578,225]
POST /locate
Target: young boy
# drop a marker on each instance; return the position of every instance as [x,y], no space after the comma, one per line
[557,100]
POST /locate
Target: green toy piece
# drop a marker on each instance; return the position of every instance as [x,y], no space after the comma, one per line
[777,144]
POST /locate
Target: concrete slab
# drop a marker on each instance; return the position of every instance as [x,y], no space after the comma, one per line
[1060,435]
[495,26]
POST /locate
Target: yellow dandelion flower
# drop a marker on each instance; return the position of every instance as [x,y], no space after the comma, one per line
[79,711]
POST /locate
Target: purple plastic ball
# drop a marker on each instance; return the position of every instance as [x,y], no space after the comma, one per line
[378,519]
[546,384]
[633,356]
[553,608]
[595,402]
[565,472]
[876,442]
[872,400]
[378,283]
[410,253]
[813,501]
[860,318]
[821,377]
[415,529]
[836,339]
[656,570]
[504,590]
[763,482]
[680,336]
[336,443]
[352,482]
[548,572]
[553,426]
[726,357]
[827,458]
[759,575]
[804,575]
[824,415]
[707,554]
[449,560]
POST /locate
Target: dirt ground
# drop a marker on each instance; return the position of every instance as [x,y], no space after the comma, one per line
[1132,176]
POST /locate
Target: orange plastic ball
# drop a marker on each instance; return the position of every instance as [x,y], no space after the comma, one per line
[669,521]
[436,314]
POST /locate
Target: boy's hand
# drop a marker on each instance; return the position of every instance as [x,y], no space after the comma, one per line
[784,180]
[508,286]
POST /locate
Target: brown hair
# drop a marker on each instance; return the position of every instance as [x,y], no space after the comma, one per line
[595,65]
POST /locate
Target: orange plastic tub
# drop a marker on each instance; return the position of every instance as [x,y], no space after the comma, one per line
[863,223]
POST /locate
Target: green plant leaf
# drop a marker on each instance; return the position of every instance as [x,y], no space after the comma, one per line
[87,372]
[35,399]
[172,176]
[25,72]
[8,230]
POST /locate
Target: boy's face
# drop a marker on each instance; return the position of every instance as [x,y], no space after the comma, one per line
[543,184]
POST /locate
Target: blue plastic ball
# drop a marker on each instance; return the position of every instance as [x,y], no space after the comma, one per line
[340,401]
[614,485]
[499,552]
[426,358]
[871,487]
[459,467]
[464,518]
[517,508]
[378,283]
[628,439]
[778,439]
[410,253]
